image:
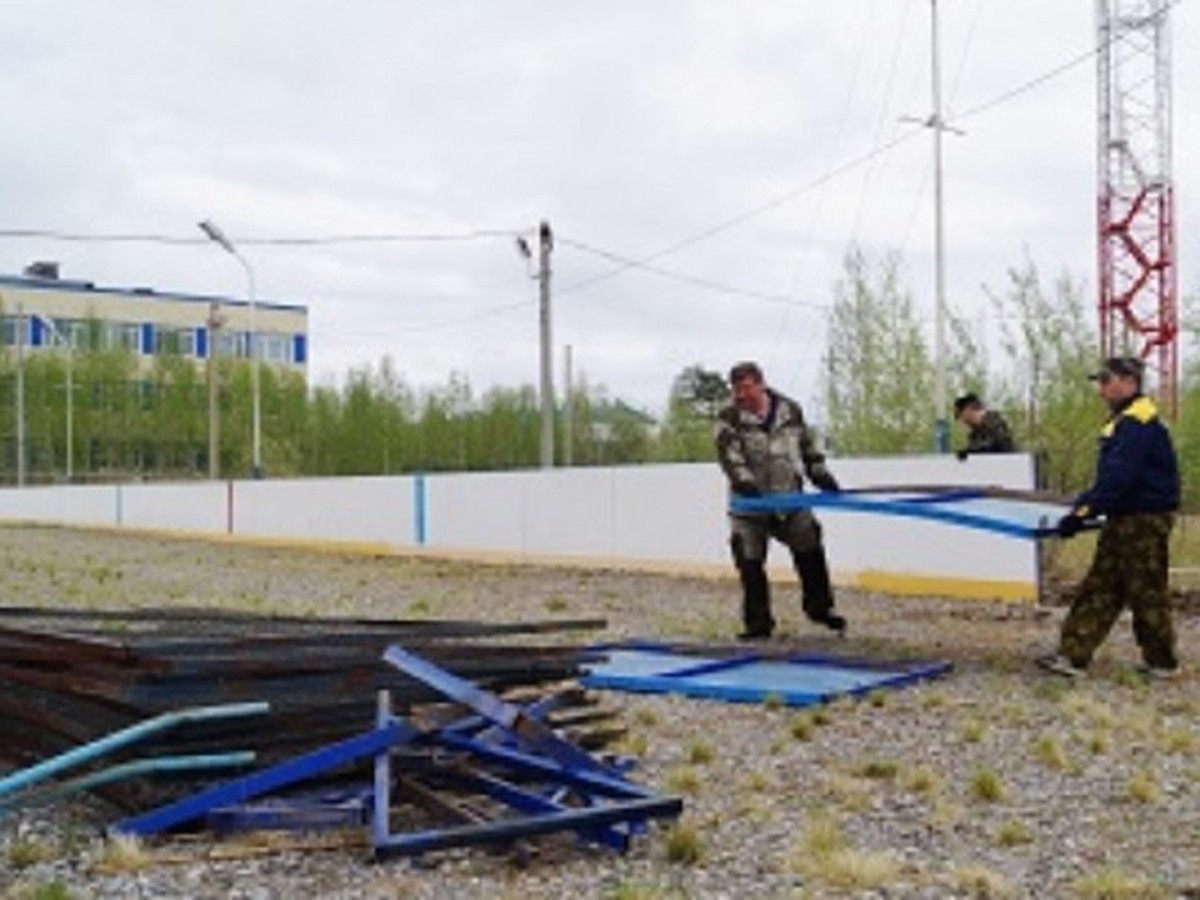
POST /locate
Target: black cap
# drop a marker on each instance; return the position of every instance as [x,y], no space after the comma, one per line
[1125,366]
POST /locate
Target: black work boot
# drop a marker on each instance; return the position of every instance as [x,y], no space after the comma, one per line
[756,600]
[756,596]
[816,589]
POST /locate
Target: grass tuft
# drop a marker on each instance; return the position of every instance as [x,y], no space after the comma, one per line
[684,845]
[986,787]
[1114,884]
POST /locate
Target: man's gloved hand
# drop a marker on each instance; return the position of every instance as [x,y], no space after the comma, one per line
[744,487]
[962,455]
[826,482]
[1070,525]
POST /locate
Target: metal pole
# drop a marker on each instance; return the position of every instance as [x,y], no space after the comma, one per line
[66,342]
[942,424]
[20,395]
[545,246]
[70,411]
[255,378]
[215,234]
[214,403]
[568,411]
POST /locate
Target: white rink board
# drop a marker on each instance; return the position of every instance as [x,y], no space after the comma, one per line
[673,514]
[199,506]
[361,509]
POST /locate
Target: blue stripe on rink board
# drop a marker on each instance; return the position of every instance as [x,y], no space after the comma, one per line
[795,681]
[420,511]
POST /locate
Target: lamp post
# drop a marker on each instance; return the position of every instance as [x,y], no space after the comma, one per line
[217,236]
[66,342]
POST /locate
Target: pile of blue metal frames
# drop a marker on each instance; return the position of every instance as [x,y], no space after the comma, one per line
[139,707]
[486,748]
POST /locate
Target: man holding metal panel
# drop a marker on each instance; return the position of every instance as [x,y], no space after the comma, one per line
[1136,490]
[765,447]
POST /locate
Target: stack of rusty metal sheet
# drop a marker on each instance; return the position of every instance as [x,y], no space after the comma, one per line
[69,677]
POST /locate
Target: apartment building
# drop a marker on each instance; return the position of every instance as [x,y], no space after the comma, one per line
[47,311]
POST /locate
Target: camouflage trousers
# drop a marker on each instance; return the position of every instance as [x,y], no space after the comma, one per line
[1129,569]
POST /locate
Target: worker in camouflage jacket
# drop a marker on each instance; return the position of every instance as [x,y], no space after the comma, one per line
[765,447]
[1136,490]
[987,432]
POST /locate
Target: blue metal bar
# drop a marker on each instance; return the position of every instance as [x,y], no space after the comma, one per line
[589,781]
[528,730]
[508,830]
[777,503]
[124,737]
[257,783]
[382,775]
[535,804]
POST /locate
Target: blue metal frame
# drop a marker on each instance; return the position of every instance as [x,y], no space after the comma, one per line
[258,783]
[687,676]
[928,506]
[530,770]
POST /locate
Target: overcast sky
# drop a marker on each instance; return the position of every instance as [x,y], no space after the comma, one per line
[742,147]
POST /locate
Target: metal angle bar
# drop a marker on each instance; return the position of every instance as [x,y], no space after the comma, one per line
[258,783]
[606,783]
[574,820]
[527,729]
[530,802]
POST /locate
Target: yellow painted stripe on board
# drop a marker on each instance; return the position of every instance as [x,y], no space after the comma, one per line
[940,586]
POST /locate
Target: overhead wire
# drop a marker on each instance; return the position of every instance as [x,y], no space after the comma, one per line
[684,277]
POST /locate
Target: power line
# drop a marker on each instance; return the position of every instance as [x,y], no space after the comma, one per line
[708,284]
[145,238]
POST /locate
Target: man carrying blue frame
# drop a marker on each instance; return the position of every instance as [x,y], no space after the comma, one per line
[765,447]
[1136,490]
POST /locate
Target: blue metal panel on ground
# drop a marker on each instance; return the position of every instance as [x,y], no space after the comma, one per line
[795,681]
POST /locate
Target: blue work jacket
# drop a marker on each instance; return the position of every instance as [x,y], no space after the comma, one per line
[1137,470]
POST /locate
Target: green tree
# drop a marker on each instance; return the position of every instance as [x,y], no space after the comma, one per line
[697,395]
[877,377]
[1049,343]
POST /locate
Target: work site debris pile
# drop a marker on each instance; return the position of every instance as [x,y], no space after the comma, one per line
[73,677]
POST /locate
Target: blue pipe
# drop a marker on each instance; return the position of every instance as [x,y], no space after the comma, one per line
[131,770]
[124,737]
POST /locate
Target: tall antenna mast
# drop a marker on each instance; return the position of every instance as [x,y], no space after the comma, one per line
[1138,278]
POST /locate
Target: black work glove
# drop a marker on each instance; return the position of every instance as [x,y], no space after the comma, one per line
[962,455]
[826,482]
[1070,525]
[744,487]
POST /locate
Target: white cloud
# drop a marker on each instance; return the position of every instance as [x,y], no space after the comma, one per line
[631,126]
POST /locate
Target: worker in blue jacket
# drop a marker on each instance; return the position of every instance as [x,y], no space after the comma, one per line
[1136,491]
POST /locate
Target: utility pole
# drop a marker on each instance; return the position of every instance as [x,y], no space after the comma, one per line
[215,321]
[545,247]
[941,428]
[20,395]
[568,410]
[935,122]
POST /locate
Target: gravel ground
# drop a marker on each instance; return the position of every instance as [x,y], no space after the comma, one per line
[993,781]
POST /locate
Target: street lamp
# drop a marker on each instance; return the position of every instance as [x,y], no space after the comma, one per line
[66,342]
[217,236]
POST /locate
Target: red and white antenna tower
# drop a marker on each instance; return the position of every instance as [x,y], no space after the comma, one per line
[1139,313]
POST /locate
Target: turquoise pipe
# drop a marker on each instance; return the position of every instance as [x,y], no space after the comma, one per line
[130,769]
[91,751]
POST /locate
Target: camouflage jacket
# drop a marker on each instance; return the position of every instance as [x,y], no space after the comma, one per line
[991,435]
[772,452]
